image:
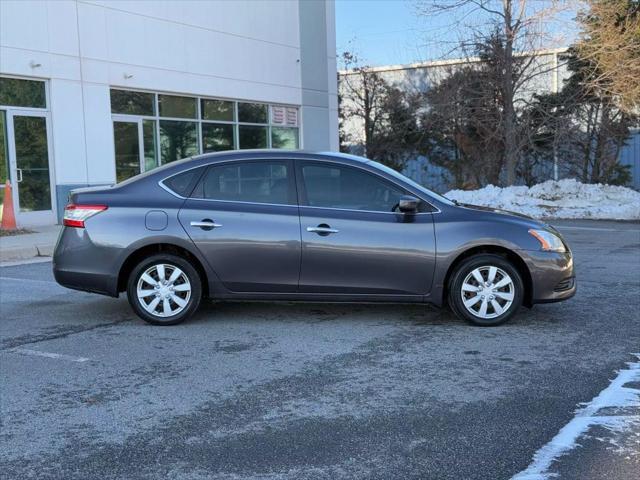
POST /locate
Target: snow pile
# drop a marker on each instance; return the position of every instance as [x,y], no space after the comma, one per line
[561,199]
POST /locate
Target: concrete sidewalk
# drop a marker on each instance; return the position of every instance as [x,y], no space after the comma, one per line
[29,245]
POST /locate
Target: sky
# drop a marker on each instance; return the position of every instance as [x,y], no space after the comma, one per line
[381,32]
[392,32]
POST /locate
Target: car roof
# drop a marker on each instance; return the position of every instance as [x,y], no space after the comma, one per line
[230,154]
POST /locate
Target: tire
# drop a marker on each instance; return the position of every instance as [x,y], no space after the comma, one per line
[183,295]
[507,296]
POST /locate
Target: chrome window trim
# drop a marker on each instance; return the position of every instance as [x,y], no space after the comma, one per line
[162,185]
[245,203]
[252,159]
[364,211]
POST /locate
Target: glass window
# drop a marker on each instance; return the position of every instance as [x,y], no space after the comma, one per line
[177,107]
[171,129]
[217,110]
[252,112]
[217,137]
[22,93]
[252,136]
[149,140]
[257,182]
[178,140]
[348,188]
[132,103]
[182,183]
[284,138]
[127,147]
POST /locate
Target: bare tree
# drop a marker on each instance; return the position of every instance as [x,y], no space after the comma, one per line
[362,93]
[378,117]
[515,31]
[583,124]
[611,41]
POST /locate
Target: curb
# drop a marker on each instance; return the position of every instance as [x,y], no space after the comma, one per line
[26,252]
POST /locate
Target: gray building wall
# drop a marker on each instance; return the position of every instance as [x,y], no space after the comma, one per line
[630,155]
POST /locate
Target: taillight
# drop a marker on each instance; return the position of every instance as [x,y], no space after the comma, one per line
[75,215]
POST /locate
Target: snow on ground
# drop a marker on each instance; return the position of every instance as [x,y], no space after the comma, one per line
[561,199]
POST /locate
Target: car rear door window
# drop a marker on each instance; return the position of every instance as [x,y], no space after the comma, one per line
[255,182]
[183,183]
[333,186]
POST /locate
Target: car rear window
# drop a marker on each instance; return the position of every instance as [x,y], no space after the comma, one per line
[182,183]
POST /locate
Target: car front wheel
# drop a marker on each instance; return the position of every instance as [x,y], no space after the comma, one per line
[164,289]
[486,290]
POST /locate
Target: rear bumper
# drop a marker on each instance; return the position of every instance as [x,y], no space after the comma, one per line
[80,264]
[552,276]
[86,282]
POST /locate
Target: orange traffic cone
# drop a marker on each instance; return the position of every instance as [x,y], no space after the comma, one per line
[8,215]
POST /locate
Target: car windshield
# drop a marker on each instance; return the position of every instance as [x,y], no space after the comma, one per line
[415,185]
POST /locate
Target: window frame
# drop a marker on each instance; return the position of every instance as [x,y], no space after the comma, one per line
[302,189]
[47,95]
[292,193]
[269,125]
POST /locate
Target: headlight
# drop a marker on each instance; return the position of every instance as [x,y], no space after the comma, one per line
[548,241]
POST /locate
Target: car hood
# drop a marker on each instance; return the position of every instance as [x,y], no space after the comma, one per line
[505,215]
[496,210]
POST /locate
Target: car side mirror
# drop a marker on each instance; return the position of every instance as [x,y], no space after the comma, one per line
[408,204]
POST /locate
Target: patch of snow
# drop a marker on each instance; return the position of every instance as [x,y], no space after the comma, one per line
[562,199]
[617,396]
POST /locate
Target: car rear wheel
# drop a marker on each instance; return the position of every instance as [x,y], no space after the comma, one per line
[486,290]
[164,289]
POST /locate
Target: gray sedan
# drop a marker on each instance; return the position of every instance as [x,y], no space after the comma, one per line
[273,225]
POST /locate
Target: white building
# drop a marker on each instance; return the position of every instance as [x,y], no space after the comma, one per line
[92,92]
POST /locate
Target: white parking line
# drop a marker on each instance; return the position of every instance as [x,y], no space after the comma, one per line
[616,395]
[57,356]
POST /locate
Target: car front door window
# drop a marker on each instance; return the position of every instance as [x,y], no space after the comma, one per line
[348,188]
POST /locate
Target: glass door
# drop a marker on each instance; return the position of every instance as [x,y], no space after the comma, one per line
[128,148]
[28,138]
[135,146]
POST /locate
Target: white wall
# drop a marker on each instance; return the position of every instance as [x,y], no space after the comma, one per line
[242,49]
[318,75]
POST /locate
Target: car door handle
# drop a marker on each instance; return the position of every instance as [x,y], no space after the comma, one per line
[322,230]
[206,224]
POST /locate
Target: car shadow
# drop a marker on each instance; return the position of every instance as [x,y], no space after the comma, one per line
[310,312]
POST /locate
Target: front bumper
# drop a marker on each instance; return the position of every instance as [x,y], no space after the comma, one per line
[552,276]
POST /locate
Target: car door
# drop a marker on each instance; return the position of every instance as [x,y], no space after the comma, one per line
[352,240]
[243,217]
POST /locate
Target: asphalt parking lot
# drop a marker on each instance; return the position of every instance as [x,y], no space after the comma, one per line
[314,391]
